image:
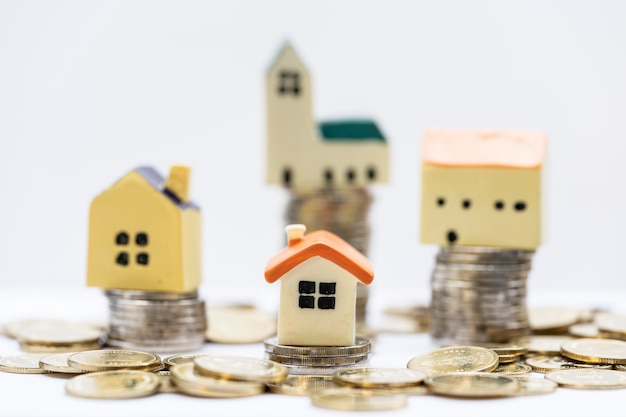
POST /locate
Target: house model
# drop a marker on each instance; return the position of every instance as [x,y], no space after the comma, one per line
[144,234]
[482,188]
[318,274]
[303,153]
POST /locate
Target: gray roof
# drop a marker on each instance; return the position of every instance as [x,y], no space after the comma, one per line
[155,179]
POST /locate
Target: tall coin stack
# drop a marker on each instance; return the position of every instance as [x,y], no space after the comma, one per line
[479,295]
[156,321]
[343,212]
[318,360]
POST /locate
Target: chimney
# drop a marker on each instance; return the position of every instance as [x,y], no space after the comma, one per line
[178,182]
[295,233]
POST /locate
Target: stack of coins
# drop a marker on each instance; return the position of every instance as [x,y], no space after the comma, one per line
[156,321]
[479,295]
[343,212]
[318,360]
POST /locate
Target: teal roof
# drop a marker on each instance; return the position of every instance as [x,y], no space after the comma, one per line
[351,130]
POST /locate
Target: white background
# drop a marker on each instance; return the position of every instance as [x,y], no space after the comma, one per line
[90,90]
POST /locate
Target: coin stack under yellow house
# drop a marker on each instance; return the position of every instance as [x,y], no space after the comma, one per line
[144,250]
[481,201]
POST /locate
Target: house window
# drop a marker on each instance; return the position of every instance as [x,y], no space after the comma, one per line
[326,298]
[124,258]
[121,238]
[289,83]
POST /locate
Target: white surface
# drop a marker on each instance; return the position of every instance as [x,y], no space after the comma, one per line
[89,90]
[44,395]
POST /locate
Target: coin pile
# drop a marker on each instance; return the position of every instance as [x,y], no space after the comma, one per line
[479,295]
[343,212]
[318,360]
[156,321]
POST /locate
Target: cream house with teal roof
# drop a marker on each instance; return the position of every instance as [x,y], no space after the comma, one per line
[303,153]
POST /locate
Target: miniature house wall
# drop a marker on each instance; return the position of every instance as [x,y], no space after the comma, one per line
[318,275]
[482,188]
[144,234]
[300,152]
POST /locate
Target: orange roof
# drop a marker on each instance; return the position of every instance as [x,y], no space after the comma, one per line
[484,148]
[326,245]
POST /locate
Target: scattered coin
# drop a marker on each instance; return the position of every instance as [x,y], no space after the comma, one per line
[22,364]
[606,351]
[473,384]
[303,385]
[586,330]
[240,368]
[114,384]
[544,344]
[513,369]
[535,386]
[108,360]
[611,325]
[58,363]
[379,377]
[189,381]
[552,320]
[588,378]
[549,363]
[239,325]
[51,332]
[455,359]
[33,347]
[352,399]
[178,359]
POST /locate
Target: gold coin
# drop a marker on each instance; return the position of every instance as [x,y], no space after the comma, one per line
[473,384]
[351,399]
[606,351]
[190,381]
[588,330]
[513,369]
[58,363]
[379,377]
[455,359]
[239,325]
[34,347]
[588,378]
[508,358]
[240,368]
[549,363]
[505,349]
[167,384]
[611,323]
[545,345]
[550,320]
[178,359]
[303,385]
[22,364]
[56,332]
[535,386]
[108,360]
[114,384]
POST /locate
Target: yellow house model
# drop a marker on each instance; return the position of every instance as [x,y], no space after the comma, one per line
[482,188]
[144,234]
[302,153]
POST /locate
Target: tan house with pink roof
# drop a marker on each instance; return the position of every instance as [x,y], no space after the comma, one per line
[318,274]
[482,187]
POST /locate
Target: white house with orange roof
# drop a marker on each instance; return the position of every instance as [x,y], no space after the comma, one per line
[482,187]
[303,153]
[318,275]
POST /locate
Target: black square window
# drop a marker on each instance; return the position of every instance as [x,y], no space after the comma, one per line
[326,303]
[141,239]
[306,301]
[142,258]
[121,238]
[289,83]
[306,287]
[327,288]
[122,258]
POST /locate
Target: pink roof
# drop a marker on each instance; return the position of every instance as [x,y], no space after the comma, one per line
[484,148]
[326,245]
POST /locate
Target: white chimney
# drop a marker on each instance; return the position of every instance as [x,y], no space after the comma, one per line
[295,233]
